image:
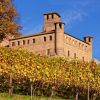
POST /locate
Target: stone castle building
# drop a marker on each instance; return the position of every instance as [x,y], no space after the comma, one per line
[53,41]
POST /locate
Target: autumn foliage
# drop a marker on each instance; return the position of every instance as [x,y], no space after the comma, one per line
[47,74]
[8,15]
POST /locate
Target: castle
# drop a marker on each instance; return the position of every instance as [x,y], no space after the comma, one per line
[53,41]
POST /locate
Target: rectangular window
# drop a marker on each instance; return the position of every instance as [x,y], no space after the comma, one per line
[60,25]
[13,43]
[74,55]
[33,40]
[44,39]
[28,41]
[23,42]
[48,51]
[73,42]
[82,58]
[68,53]
[50,38]
[89,39]
[18,42]
[47,17]
[52,16]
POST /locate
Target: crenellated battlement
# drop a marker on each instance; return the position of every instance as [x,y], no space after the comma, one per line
[49,20]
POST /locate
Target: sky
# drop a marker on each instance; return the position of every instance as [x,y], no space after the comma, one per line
[81,17]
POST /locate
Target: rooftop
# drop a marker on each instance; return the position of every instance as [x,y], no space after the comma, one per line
[52,13]
[76,38]
[44,33]
[31,35]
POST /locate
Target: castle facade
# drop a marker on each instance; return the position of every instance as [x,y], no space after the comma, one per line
[53,41]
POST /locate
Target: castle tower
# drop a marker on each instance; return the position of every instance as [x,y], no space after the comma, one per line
[89,40]
[59,38]
[49,20]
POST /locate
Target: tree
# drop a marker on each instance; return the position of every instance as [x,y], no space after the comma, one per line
[48,76]
[8,14]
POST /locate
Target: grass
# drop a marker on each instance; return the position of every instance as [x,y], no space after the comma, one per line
[5,96]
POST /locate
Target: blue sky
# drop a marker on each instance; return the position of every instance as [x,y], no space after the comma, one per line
[82,17]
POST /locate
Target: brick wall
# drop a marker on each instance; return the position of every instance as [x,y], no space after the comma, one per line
[39,44]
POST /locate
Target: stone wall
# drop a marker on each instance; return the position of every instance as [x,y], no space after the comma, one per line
[49,20]
[43,44]
[77,48]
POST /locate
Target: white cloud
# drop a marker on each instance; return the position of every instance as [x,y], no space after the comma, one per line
[72,16]
[76,13]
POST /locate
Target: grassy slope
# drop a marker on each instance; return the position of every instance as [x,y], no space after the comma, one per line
[4,96]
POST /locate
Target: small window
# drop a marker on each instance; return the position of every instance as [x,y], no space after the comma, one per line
[69,40]
[13,43]
[33,40]
[89,39]
[73,42]
[50,38]
[79,45]
[18,42]
[74,55]
[82,58]
[44,39]
[47,17]
[28,41]
[60,25]
[23,42]
[68,53]
[48,51]
[52,16]
[85,47]
[66,39]
[82,46]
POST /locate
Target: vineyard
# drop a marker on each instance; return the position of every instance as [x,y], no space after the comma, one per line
[25,73]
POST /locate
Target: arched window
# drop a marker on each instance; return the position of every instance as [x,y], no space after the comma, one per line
[50,38]
[33,40]
[23,42]
[44,39]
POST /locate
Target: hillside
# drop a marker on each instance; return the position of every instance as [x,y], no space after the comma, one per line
[26,73]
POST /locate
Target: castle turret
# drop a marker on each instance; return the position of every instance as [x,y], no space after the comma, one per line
[89,40]
[49,20]
[59,37]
